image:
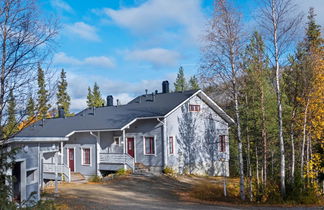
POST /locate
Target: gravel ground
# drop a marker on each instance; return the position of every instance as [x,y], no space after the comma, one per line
[134,192]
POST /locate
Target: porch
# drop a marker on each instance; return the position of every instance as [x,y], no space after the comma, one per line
[115,161]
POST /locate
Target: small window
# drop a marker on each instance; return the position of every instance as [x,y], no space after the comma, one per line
[194,108]
[86,156]
[31,176]
[171,145]
[149,146]
[116,140]
[222,143]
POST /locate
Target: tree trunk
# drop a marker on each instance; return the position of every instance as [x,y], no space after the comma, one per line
[304,139]
[279,106]
[249,164]
[257,166]
[264,137]
[292,140]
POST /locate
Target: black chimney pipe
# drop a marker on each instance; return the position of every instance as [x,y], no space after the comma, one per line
[61,112]
[165,86]
[110,100]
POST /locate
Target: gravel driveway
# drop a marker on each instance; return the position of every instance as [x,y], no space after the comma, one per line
[134,192]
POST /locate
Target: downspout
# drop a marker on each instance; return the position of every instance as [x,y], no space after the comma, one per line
[164,143]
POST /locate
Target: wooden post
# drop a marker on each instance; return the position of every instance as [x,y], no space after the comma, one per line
[56,187]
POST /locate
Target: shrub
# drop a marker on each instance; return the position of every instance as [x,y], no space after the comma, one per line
[169,171]
[95,178]
[122,172]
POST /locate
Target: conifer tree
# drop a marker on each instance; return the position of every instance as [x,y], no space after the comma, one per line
[11,126]
[90,98]
[180,83]
[42,94]
[97,99]
[63,98]
[30,109]
[193,82]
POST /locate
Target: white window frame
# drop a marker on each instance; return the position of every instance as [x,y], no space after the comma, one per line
[119,141]
[144,146]
[194,105]
[33,171]
[173,146]
[82,160]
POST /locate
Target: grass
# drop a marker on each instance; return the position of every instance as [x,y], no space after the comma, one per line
[123,172]
[95,178]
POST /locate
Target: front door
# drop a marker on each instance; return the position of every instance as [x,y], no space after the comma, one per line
[71,159]
[130,146]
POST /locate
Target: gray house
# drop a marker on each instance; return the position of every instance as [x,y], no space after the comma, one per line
[186,131]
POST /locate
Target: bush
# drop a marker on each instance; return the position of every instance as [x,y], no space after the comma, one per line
[169,171]
[95,178]
[123,172]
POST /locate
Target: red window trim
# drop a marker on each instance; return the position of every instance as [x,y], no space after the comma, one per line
[151,145]
[86,157]
[171,149]
[222,143]
[194,108]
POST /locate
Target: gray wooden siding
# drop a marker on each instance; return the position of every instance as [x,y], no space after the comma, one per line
[79,141]
[196,136]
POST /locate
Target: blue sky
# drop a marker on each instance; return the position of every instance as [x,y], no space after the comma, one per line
[127,46]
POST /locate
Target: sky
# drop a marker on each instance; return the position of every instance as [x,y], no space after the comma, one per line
[127,46]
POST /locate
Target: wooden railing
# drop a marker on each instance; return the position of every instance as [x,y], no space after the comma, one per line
[117,158]
[61,168]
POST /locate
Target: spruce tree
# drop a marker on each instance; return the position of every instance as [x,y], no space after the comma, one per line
[89,98]
[30,109]
[11,126]
[42,93]
[180,83]
[63,98]
[193,82]
[97,99]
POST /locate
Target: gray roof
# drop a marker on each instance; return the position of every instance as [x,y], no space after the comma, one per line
[108,117]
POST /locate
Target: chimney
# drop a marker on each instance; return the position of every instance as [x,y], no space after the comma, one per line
[145,92]
[110,100]
[118,102]
[156,92]
[165,86]
[153,97]
[61,112]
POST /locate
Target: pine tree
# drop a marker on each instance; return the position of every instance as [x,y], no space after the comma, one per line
[193,82]
[97,99]
[180,83]
[11,126]
[63,98]
[30,109]
[90,98]
[42,93]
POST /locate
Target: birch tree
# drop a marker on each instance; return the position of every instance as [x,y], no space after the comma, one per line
[220,60]
[280,23]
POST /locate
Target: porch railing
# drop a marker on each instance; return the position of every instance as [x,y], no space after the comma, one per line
[61,168]
[117,158]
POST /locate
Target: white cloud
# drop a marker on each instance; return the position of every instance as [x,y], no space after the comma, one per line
[83,30]
[124,91]
[156,56]
[60,4]
[158,15]
[99,61]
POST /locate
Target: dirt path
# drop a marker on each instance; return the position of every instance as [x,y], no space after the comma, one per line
[128,193]
[134,192]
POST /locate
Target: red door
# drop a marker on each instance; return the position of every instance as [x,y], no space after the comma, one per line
[130,146]
[71,159]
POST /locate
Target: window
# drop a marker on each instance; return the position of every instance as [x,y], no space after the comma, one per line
[222,143]
[171,145]
[194,108]
[149,146]
[31,176]
[86,156]
[116,140]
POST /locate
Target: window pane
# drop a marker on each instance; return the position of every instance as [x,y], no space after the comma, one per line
[149,145]
[171,144]
[86,156]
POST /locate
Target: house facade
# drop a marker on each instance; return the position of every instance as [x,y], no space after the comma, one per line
[186,131]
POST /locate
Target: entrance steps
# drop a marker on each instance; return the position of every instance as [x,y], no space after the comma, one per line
[77,177]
